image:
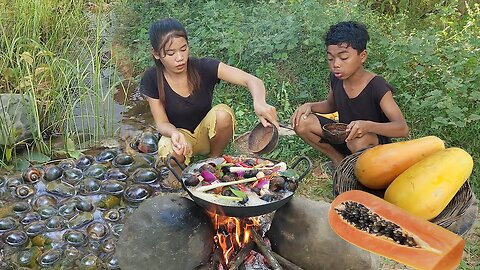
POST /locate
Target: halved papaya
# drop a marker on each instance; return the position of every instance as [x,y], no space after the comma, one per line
[378,226]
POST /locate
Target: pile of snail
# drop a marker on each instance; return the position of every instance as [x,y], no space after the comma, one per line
[68,214]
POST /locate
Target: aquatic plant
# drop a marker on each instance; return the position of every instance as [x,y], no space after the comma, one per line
[52,63]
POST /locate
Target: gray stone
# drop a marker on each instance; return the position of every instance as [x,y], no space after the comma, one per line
[166,232]
[16,122]
[300,233]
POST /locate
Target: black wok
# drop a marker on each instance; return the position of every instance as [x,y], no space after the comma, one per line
[256,208]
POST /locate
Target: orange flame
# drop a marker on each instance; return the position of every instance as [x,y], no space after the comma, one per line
[232,234]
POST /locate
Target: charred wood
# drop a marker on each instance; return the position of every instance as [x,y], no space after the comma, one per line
[217,260]
[236,263]
[288,265]
[267,253]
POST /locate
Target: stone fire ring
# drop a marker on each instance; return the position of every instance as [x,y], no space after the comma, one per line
[167,232]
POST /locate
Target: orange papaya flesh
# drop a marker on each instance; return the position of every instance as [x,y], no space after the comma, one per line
[378,226]
[378,166]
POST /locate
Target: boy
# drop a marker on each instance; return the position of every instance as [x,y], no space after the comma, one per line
[363,99]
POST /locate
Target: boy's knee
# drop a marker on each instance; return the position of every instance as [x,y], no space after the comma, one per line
[369,140]
[303,127]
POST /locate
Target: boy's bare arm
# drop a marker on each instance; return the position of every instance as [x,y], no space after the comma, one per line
[396,128]
[325,106]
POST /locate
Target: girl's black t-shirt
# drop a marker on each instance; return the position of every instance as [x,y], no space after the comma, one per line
[365,106]
[185,112]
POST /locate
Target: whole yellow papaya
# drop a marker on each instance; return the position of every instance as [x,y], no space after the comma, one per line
[426,188]
[377,167]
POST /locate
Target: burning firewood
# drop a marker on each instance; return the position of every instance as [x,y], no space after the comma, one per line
[267,253]
[217,259]
[288,265]
[242,254]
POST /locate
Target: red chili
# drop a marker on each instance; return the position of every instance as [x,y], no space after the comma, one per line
[228,158]
[241,187]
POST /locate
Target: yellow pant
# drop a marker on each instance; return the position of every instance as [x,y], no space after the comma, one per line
[200,139]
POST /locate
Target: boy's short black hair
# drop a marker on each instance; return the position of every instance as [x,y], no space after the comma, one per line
[354,34]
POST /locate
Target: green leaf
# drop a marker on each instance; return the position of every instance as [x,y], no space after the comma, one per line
[70,145]
[473,117]
[8,153]
[290,174]
[37,157]
[74,154]
[239,193]
[20,164]
[419,68]
[475,95]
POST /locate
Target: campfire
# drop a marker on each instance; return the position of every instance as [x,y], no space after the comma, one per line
[238,242]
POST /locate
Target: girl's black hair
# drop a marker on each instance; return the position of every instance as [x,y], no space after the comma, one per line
[351,33]
[162,33]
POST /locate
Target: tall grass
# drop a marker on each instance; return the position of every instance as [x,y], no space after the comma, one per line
[50,53]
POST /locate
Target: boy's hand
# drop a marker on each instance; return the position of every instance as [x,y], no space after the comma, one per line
[301,112]
[357,129]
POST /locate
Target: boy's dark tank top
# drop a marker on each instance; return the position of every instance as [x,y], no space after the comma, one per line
[185,112]
[365,106]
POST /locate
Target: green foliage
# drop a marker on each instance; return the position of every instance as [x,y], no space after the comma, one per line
[51,54]
[427,49]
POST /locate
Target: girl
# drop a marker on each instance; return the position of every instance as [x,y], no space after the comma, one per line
[179,91]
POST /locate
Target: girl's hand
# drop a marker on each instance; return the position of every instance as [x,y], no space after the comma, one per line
[179,144]
[266,113]
[357,129]
[301,112]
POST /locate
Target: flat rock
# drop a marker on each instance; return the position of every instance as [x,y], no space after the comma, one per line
[15,119]
[166,232]
[301,234]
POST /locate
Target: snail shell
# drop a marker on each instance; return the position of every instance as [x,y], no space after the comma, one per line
[84,162]
[97,230]
[136,193]
[50,257]
[123,160]
[52,172]
[24,191]
[16,238]
[7,224]
[32,175]
[75,238]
